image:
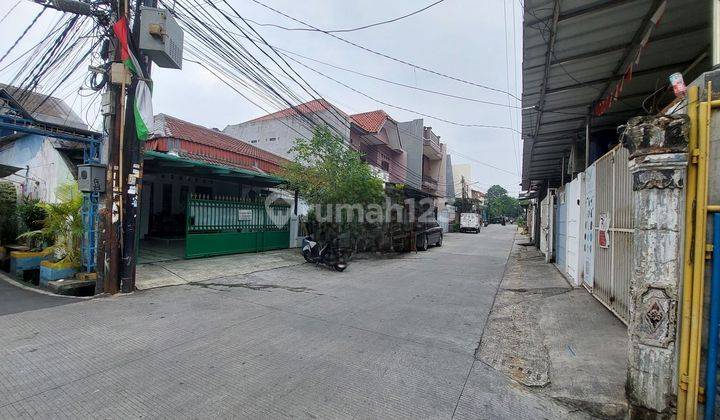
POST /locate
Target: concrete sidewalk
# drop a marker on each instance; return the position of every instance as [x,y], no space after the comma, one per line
[177,272]
[554,339]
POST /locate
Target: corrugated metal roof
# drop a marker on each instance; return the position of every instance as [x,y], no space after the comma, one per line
[576,51]
[45,108]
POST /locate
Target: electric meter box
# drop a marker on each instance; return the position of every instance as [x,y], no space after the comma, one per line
[161,38]
[91,178]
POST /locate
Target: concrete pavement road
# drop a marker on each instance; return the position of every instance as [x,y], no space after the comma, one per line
[388,338]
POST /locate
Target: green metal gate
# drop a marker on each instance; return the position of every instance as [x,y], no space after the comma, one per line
[219,227]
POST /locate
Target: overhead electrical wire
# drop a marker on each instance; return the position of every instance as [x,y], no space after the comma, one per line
[246,35]
[69,41]
[285,52]
[400,107]
[359,28]
[22,35]
[435,92]
[342,119]
[10,11]
[387,56]
[235,55]
[54,60]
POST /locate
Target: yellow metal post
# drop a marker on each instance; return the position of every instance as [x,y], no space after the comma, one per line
[699,256]
[691,184]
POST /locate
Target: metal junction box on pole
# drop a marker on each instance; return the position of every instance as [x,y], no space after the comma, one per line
[91,178]
[161,38]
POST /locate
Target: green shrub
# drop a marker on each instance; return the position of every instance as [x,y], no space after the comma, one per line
[8,212]
[62,224]
[31,216]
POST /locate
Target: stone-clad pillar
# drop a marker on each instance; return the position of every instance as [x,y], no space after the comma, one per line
[658,162]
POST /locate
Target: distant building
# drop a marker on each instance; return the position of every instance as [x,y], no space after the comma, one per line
[460,172]
[449,179]
[478,195]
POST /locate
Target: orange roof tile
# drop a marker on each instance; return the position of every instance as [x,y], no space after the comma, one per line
[371,121]
[211,145]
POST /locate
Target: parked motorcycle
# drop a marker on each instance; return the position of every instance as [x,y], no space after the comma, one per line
[328,254]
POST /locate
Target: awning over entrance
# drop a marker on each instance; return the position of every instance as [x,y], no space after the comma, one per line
[602,62]
[184,165]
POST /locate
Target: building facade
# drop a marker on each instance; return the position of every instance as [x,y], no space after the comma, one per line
[277,132]
[38,164]
[462,172]
[407,153]
[376,135]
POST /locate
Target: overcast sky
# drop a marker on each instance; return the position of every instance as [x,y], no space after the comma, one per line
[468,39]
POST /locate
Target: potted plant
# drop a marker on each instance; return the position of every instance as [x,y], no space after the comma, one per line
[62,225]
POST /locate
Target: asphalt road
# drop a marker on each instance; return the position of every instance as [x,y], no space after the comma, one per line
[388,338]
[14,299]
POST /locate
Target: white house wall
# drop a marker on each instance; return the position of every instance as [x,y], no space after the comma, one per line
[284,131]
[47,168]
[575,203]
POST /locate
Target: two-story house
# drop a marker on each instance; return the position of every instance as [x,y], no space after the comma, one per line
[377,136]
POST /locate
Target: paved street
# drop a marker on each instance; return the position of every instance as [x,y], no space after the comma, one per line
[14,299]
[388,338]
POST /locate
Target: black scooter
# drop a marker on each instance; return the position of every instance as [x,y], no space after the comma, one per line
[328,254]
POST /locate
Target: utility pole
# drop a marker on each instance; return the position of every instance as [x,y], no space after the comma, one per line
[109,252]
[132,172]
[127,76]
[464,192]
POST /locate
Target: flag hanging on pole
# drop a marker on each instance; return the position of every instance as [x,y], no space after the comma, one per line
[142,108]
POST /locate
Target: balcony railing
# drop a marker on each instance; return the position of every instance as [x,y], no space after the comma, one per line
[429,182]
[431,148]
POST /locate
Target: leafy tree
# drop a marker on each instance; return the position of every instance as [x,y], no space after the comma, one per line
[500,204]
[495,192]
[327,171]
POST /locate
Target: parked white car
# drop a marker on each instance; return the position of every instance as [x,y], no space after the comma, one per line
[470,222]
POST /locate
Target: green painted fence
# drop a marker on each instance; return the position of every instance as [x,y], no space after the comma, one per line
[219,227]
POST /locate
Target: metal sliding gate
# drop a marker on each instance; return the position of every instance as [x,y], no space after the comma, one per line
[613,232]
[218,227]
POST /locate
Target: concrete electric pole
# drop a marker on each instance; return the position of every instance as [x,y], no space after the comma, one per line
[128,72]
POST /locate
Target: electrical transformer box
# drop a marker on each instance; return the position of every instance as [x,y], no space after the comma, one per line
[91,178]
[161,38]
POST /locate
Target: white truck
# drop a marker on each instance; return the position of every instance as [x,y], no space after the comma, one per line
[470,222]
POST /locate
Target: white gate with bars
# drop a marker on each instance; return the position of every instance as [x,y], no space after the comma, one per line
[612,239]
